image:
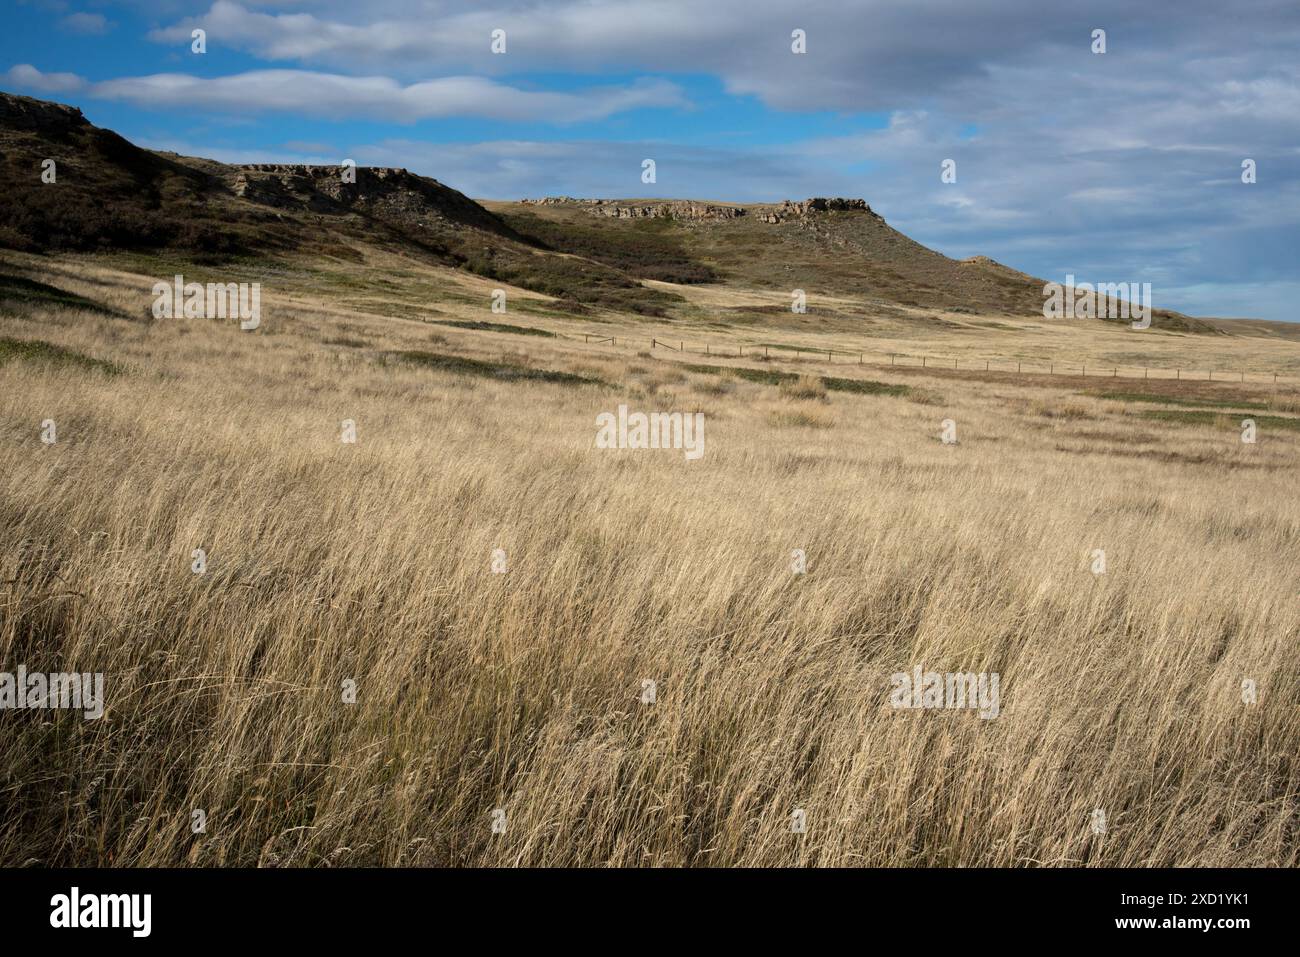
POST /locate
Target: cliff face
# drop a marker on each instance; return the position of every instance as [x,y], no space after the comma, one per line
[22,113]
[818,204]
[701,212]
[388,192]
[620,209]
[679,210]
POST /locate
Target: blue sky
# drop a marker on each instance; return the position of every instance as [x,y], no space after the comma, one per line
[1114,167]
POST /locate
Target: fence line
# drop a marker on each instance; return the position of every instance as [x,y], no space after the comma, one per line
[933,362]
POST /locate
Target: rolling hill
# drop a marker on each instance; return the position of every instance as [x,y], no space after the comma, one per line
[109,194]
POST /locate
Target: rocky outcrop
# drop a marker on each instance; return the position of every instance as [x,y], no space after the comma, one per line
[701,212]
[39,116]
[818,204]
[392,193]
[613,209]
[679,210]
[280,179]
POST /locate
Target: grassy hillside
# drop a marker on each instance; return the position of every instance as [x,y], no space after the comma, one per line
[110,194]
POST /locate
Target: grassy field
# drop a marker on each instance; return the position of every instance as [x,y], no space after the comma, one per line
[519,697]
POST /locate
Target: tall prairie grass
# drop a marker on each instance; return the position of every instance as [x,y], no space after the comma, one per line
[372,563]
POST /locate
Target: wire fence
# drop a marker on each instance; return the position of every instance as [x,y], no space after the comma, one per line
[941,363]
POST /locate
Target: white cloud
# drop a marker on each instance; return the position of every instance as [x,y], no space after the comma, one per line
[92,24]
[338,96]
[26,76]
[878,56]
[335,96]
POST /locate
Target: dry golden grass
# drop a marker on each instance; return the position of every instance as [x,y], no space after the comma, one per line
[372,562]
[808,387]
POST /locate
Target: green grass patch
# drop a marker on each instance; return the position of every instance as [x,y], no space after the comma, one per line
[35,350]
[864,386]
[832,383]
[163,264]
[493,327]
[578,284]
[505,371]
[1153,399]
[31,292]
[1223,419]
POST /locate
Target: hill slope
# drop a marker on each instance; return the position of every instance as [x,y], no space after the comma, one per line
[110,194]
[836,246]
